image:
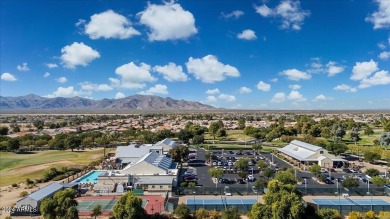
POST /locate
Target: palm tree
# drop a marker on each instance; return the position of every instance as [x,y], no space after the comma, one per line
[96,211]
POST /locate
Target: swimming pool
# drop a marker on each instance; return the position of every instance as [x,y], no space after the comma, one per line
[91,177]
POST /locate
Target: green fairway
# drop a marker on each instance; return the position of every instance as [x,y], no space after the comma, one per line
[15,168]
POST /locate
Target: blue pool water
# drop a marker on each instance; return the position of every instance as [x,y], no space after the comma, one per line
[91,177]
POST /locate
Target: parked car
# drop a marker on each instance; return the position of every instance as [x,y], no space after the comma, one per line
[251,178]
[227,191]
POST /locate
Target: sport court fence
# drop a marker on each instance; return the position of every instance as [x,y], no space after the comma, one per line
[346,205]
[216,191]
[326,191]
[220,204]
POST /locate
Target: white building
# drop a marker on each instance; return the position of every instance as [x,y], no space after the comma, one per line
[310,154]
[167,144]
[125,155]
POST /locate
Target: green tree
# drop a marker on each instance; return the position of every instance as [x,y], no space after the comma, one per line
[129,206]
[257,147]
[216,173]
[62,205]
[325,213]
[384,140]
[13,144]
[4,130]
[326,132]
[185,135]
[241,123]
[370,156]
[268,172]
[198,139]
[182,211]
[231,213]
[286,177]
[379,181]
[368,130]
[202,213]
[350,182]
[261,165]
[242,164]
[72,142]
[221,132]
[178,153]
[97,211]
[315,169]
[243,174]
[370,215]
[38,124]
[372,172]
[214,127]
[338,132]
[354,215]
[354,134]
[336,147]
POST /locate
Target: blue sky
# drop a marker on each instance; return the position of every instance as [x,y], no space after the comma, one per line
[308,54]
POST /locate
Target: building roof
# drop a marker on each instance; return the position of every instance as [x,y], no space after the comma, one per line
[168,142]
[46,191]
[135,151]
[160,180]
[155,159]
[300,150]
[306,145]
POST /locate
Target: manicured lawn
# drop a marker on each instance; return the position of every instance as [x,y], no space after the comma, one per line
[15,168]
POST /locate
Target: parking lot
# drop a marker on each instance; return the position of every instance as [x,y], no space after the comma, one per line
[226,158]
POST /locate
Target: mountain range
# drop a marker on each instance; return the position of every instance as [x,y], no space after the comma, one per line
[134,102]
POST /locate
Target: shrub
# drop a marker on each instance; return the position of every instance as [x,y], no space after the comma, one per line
[23,194]
[183,184]
[14,185]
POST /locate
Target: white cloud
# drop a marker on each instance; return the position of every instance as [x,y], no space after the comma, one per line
[213,91]
[381,18]
[381,45]
[291,14]
[63,92]
[171,72]
[263,86]
[333,69]
[295,75]
[209,70]
[8,77]
[61,80]
[47,74]
[51,65]
[322,97]
[294,86]
[132,76]
[168,22]
[247,35]
[234,14]
[363,70]
[95,87]
[211,99]
[23,67]
[384,55]
[379,78]
[227,98]
[78,54]
[80,22]
[157,89]
[344,87]
[278,98]
[119,95]
[109,24]
[274,80]
[245,90]
[296,96]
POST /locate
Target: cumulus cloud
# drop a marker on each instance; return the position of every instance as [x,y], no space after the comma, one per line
[316,66]
[51,65]
[333,69]
[227,98]
[274,80]
[296,96]
[278,98]
[109,24]
[8,77]
[171,72]
[263,86]
[209,70]
[211,99]
[322,97]
[47,74]
[64,92]
[345,87]
[247,35]
[213,91]
[363,70]
[23,67]
[88,86]
[381,45]
[295,75]
[157,89]
[132,76]
[245,90]
[78,54]
[384,55]
[290,12]
[294,86]
[234,14]
[381,17]
[379,78]
[168,22]
[119,95]
[61,80]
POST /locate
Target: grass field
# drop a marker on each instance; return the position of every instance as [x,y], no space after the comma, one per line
[15,168]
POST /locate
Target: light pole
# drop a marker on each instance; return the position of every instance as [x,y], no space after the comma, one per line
[368,186]
[368,193]
[305,186]
[385,171]
[193,192]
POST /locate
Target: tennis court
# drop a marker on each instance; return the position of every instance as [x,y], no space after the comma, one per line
[220,203]
[346,205]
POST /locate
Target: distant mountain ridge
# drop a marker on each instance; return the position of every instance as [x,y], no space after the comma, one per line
[148,102]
